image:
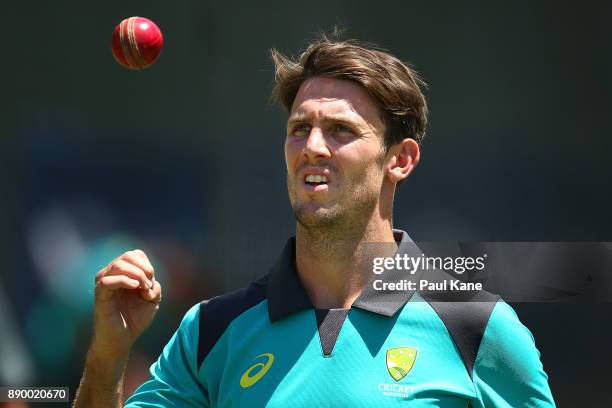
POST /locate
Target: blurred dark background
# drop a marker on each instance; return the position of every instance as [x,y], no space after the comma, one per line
[185,160]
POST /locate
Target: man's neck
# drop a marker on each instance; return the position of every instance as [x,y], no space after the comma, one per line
[330,264]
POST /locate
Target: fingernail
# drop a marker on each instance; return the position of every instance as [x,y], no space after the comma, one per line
[149,284]
[134,283]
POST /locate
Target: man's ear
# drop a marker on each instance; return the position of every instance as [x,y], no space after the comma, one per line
[402,158]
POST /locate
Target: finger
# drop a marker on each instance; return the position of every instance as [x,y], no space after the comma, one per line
[153,295]
[109,284]
[121,267]
[139,258]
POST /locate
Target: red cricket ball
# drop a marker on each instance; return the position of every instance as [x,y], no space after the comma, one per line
[136,42]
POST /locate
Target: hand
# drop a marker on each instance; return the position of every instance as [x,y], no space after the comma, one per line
[127,296]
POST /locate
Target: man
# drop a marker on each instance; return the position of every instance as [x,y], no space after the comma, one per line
[315,331]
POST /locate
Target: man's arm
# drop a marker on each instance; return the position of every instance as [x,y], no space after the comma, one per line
[507,371]
[102,382]
[127,297]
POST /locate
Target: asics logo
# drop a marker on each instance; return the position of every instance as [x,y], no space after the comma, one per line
[248,379]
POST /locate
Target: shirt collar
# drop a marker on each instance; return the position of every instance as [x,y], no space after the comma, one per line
[286,294]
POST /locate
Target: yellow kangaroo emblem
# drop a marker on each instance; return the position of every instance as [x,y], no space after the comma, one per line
[248,380]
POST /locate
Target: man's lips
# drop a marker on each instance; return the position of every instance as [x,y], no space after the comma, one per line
[315,188]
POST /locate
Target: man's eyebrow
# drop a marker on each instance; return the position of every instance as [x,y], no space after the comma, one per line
[339,117]
[296,117]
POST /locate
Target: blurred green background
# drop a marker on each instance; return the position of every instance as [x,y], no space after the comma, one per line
[185,160]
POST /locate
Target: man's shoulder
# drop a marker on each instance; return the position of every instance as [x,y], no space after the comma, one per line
[508,357]
[481,324]
[217,313]
[505,329]
[466,315]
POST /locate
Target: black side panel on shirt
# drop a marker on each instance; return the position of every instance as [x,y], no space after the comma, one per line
[329,322]
[465,315]
[217,313]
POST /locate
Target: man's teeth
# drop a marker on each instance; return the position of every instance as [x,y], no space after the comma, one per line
[316,179]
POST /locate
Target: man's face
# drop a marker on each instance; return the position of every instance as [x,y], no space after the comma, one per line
[334,153]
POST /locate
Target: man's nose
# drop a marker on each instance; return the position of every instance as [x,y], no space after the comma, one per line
[316,145]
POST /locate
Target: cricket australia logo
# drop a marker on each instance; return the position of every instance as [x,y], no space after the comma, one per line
[400,361]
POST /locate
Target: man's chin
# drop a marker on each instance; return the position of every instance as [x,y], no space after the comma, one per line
[310,216]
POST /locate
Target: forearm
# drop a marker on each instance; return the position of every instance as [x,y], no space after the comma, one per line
[126,298]
[102,382]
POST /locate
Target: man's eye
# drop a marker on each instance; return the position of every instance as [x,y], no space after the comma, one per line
[302,129]
[338,128]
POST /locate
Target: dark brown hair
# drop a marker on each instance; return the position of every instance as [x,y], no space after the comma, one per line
[393,84]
